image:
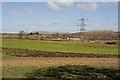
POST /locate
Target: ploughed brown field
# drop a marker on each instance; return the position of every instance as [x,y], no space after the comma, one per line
[17,63]
[35,53]
[25,57]
[50,61]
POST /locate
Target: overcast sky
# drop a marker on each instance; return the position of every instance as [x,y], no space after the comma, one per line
[58,16]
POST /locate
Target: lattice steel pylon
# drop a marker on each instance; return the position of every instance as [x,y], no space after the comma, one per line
[82,26]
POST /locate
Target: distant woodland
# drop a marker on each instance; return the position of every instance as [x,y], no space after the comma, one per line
[90,35]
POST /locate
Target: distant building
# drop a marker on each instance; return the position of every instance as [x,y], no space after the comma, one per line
[75,39]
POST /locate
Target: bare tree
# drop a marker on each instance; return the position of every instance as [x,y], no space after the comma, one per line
[21,34]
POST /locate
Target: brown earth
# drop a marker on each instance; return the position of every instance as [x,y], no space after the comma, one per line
[24,57]
[34,53]
[50,61]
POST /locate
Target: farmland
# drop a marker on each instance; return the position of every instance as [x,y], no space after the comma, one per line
[17,67]
[23,56]
[62,46]
[60,40]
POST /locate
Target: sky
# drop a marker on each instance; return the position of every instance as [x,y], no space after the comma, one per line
[63,16]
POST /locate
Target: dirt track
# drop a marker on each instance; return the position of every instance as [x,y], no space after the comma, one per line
[48,61]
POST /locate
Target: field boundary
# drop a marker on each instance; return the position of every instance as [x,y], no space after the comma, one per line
[36,53]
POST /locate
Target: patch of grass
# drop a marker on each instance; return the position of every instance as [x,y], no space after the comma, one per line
[75,72]
[16,72]
[61,46]
[7,57]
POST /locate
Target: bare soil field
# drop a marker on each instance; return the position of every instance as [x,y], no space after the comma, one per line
[50,61]
[35,53]
[24,57]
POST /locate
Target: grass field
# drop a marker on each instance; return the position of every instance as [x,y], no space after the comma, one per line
[62,46]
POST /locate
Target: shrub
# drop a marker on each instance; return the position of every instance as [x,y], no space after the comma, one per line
[75,72]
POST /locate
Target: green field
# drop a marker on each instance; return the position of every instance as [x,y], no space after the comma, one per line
[62,46]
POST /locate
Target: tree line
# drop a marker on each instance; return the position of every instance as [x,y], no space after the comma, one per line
[89,35]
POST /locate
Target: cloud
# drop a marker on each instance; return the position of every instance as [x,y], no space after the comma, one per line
[57,22]
[26,12]
[109,24]
[52,6]
[59,4]
[111,4]
[88,6]
[104,23]
[15,13]
[30,11]
[64,3]
[110,1]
